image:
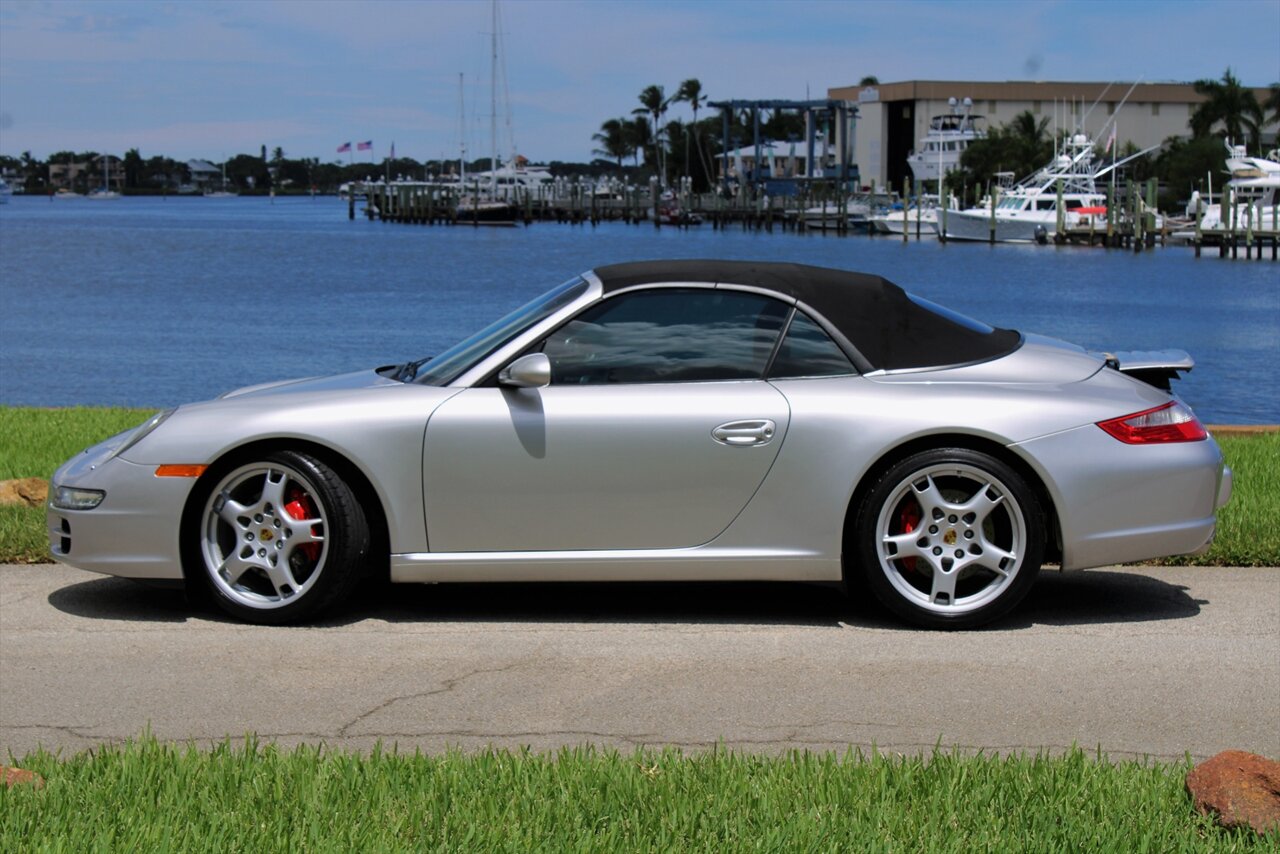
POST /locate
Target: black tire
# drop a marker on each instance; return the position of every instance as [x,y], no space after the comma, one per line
[275,539]
[949,538]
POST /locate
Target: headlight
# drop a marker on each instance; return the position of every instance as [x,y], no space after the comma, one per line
[72,498]
[143,430]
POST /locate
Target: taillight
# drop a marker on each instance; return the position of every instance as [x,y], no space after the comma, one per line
[1172,422]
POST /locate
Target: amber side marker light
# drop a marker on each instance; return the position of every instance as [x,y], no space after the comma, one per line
[180,471]
[1173,422]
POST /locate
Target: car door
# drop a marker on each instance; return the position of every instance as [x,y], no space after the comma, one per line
[654,433]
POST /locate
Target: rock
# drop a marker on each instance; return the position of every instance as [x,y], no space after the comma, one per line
[16,777]
[1242,788]
[32,491]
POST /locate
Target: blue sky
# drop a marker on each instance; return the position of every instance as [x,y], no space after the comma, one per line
[212,79]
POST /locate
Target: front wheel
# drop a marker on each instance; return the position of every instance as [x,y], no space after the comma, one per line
[950,538]
[280,539]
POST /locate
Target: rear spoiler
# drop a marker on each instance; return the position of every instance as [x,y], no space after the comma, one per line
[1153,367]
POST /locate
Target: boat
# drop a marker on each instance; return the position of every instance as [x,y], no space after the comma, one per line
[5,192]
[1028,211]
[949,135]
[104,193]
[856,215]
[486,205]
[670,212]
[223,193]
[65,194]
[1252,194]
[922,216]
[516,180]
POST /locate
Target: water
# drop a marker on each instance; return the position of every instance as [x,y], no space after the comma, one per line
[152,302]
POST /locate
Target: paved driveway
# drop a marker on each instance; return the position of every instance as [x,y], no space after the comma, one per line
[1151,661]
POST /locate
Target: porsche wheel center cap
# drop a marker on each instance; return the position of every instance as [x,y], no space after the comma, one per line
[949,537]
[266,534]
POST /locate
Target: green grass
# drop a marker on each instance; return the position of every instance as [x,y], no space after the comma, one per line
[34,442]
[147,796]
[1247,533]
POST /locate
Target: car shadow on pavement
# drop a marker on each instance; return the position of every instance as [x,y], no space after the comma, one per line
[1098,596]
[1075,598]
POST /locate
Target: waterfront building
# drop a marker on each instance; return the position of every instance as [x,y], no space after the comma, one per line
[893,118]
[204,175]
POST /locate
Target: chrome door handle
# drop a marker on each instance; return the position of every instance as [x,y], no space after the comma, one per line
[738,433]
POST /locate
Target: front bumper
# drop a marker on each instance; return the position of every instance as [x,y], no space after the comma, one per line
[133,533]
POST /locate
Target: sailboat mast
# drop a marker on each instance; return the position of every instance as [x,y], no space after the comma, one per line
[493,102]
[462,135]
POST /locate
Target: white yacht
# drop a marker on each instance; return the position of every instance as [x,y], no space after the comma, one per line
[856,213]
[514,181]
[923,216]
[5,192]
[1028,211]
[1255,187]
[949,135]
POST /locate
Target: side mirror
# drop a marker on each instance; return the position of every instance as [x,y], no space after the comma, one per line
[530,371]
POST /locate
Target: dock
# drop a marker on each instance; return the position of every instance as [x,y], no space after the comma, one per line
[1131,222]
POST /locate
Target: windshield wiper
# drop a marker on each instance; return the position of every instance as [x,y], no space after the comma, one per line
[409,370]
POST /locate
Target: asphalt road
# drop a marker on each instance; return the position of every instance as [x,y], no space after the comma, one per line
[1154,661]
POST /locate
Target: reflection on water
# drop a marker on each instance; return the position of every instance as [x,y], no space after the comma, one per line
[158,301]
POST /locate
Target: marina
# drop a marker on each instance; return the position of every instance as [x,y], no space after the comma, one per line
[153,302]
[1118,217]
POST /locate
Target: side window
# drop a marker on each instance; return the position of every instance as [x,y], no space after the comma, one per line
[807,351]
[663,336]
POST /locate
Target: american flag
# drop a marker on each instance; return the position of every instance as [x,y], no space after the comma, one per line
[364,146]
[344,148]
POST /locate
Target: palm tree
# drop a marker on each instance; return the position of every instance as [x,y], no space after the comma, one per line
[614,140]
[653,102]
[1273,104]
[638,135]
[1026,128]
[690,92]
[1227,103]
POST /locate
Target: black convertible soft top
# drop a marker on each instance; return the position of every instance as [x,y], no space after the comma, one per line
[887,329]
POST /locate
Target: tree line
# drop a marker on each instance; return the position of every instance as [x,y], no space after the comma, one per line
[262,172]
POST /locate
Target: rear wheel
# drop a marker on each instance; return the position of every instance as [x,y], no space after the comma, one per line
[280,539]
[950,538]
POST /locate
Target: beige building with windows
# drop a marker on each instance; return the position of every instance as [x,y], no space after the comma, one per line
[893,118]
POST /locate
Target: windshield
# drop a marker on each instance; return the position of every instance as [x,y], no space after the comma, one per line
[450,364]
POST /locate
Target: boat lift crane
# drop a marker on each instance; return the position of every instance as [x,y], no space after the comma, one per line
[843,114]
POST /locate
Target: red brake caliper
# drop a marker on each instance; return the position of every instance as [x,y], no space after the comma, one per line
[909,518]
[300,506]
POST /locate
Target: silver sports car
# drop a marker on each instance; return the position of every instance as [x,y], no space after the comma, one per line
[672,420]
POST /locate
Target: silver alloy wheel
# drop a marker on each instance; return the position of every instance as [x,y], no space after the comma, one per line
[951,538]
[263,538]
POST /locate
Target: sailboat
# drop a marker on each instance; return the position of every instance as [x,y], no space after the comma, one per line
[224,193]
[104,193]
[484,205]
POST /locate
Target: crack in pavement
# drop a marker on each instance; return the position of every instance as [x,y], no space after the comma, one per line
[447,686]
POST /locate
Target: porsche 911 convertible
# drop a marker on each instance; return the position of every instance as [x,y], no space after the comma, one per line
[667,421]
